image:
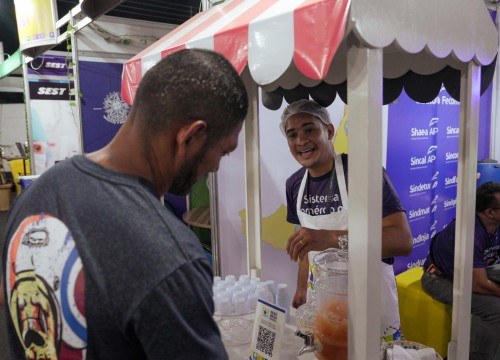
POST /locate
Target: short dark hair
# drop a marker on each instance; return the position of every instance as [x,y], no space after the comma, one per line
[485,196]
[189,85]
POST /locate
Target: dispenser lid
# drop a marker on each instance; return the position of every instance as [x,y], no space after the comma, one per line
[332,261]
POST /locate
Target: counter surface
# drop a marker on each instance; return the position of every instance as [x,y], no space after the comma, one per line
[290,345]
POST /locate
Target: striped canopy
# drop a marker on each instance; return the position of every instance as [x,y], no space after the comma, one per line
[290,44]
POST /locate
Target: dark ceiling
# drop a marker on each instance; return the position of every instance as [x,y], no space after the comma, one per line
[164,11]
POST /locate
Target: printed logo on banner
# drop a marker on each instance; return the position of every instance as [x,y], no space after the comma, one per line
[451,157]
[450,204]
[116,110]
[103,110]
[442,99]
[51,90]
[432,229]
[419,213]
[434,179]
[422,162]
[419,189]
[422,159]
[52,65]
[451,181]
[412,264]
[452,132]
[424,133]
[420,239]
[448,100]
[434,204]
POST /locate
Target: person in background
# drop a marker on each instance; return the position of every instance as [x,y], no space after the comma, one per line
[94,265]
[317,201]
[437,279]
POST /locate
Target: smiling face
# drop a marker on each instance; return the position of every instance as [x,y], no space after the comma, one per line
[310,142]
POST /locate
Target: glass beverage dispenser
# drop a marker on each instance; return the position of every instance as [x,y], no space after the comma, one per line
[323,322]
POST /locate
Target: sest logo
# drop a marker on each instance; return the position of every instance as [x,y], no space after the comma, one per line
[55,65]
[54,91]
[51,91]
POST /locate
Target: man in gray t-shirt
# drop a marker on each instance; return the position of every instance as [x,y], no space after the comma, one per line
[94,266]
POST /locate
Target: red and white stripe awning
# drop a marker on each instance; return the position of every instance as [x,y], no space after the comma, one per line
[267,35]
[306,38]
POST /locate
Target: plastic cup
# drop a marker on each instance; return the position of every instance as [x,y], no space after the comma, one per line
[252,301]
[225,307]
[238,293]
[230,279]
[244,279]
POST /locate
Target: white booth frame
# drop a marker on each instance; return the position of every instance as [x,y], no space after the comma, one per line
[385,38]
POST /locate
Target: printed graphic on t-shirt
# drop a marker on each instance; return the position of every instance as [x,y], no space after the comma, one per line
[492,255]
[46,290]
[320,201]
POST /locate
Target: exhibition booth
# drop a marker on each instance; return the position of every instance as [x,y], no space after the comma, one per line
[366,53]
[416,75]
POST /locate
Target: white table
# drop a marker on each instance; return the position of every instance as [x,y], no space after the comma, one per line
[235,336]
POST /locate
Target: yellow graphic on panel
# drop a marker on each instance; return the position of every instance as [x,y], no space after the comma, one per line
[341,135]
[275,229]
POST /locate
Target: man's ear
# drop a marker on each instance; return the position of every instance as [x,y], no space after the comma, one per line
[191,137]
[331,131]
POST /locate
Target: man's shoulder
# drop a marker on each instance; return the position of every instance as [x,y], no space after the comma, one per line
[296,176]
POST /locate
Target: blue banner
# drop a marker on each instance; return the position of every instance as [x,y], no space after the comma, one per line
[103,109]
[422,161]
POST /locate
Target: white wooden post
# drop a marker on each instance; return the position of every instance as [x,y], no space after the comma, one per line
[458,348]
[252,179]
[364,84]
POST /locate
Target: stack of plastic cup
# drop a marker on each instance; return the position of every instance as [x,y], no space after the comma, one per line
[239,296]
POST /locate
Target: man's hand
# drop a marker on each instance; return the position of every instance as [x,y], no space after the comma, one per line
[482,285]
[305,240]
[300,297]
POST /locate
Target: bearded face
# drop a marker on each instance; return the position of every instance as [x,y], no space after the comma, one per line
[188,175]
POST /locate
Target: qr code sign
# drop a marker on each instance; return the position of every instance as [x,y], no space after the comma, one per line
[265,341]
[273,316]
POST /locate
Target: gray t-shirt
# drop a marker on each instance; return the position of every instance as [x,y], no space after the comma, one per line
[96,268]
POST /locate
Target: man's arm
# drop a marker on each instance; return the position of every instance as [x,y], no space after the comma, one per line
[396,238]
[396,235]
[300,296]
[175,320]
[482,285]
[305,240]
